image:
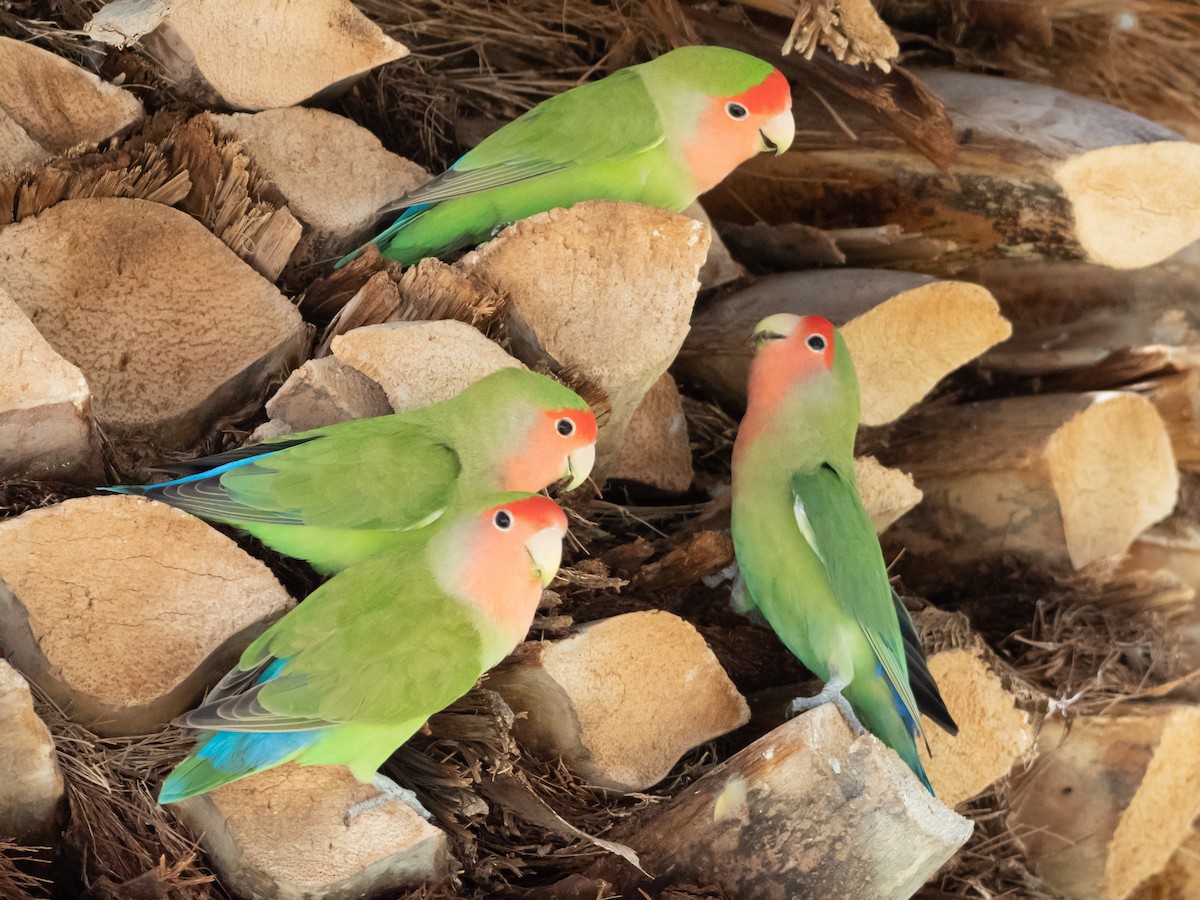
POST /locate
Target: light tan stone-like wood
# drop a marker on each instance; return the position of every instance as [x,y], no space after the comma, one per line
[905,331]
[250,54]
[32,787]
[656,450]
[808,810]
[122,609]
[169,327]
[1067,478]
[719,265]
[326,391]
[45,406]
[622,699]
[1180,878]
[1105,807]
[886,493]
[994,734]
[1172,548]
[333,173]
[606,287]
[48,105]
[1038,172]
[418,363]
[281,835]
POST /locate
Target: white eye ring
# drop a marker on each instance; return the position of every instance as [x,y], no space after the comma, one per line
[565,427]
[503,519]
[736,111]
[816,343]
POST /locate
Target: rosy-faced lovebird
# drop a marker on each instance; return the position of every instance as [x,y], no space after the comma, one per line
[337,494]
[809,558]
[355,670]
[659,133]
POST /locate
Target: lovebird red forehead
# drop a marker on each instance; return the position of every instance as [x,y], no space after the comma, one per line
[532,514]
[772,95]
[585,422]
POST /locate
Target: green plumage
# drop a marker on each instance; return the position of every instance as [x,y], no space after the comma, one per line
[620,138]
[337,494]
[811,561]
[352,672]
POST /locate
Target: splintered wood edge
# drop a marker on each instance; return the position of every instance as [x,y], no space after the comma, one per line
[1159,818]
[994,733]
[886,493]
[1114,473]
[1134,205]
[904,346]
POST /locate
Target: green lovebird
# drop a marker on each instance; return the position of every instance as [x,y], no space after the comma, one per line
[809,558]
[355,670]
[660,133]
[338,494]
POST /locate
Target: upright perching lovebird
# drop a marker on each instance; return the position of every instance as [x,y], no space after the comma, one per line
[809,557]
[338,494]
[355,670]
[659,133]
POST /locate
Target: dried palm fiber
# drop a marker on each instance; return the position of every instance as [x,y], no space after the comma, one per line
[1139,55]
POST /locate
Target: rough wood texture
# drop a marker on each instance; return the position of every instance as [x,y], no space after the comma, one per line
[1066,478]
[333,174]
[604,287]
[122,609]
[894,322]
[1172,547]
[1180,878]
[994,734]
[622,699]
[250,54]
[32,788]
[46,428]
[1038,172]
[325,391]
[169,327]
[656,449]
[886,493]
[48,105]
[719,265]
[808,810]
[418,363]
[1109,801]
[280,835]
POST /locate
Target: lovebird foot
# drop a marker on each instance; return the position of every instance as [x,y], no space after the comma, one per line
[388,791]
[831,693]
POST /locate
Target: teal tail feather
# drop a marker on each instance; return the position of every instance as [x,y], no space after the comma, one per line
[226,756]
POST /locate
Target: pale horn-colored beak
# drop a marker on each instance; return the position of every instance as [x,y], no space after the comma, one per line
[579,465]
[545,549]
[778,133]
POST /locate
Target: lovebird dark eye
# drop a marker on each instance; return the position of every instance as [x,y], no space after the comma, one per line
[816,342]
[736,110]
[502,519]
[565,427]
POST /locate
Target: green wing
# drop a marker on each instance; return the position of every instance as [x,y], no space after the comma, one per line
[379,473]
[376,644]
[604,120]
[833,521]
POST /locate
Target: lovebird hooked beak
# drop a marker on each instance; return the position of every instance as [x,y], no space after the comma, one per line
[778,132]
[579,465]
[545,549]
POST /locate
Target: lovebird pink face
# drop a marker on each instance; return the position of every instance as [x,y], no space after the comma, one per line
[733,129]
[561,444]
[788,350]
[512,551]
